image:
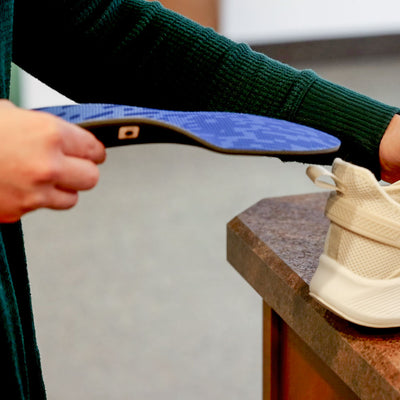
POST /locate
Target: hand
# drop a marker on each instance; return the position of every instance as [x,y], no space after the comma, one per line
[44,161]
[389,152]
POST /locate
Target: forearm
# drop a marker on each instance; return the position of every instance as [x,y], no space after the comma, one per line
[137,52]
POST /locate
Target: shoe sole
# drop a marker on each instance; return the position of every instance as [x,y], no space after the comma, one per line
[374,303]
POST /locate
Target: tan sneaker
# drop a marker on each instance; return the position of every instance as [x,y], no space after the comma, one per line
[358,276]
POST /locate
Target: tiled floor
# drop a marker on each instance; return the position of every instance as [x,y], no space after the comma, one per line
[132,295]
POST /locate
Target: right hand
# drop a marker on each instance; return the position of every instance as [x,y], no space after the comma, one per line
[389,152]
[44,161]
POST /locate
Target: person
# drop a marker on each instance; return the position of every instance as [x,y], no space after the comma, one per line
[138,53]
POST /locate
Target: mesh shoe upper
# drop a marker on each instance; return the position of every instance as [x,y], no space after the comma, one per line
[364,235]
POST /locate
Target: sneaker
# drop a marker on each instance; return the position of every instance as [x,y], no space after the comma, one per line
[358,276]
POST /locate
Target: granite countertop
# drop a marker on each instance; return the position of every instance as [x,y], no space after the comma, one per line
[275,246]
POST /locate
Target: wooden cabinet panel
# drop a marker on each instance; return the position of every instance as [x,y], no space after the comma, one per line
[204,12]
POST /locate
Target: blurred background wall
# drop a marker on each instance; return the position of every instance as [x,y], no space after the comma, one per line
[269,21]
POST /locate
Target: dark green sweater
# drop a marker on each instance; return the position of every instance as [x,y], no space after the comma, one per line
[135,52]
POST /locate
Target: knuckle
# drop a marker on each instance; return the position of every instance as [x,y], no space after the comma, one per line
[49,126]
[54,137]
[47,172]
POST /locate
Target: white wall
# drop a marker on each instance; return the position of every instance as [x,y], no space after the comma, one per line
[282,20]
[35,94]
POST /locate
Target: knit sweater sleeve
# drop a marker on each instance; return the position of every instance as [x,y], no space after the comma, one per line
[137,52]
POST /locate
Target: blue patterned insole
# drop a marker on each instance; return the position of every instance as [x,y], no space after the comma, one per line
[220,131]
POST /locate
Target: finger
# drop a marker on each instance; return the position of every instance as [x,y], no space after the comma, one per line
[49,196]
[59,199]
[79,142]
[77,174]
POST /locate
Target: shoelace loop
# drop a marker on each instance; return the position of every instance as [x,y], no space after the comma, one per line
[316,172]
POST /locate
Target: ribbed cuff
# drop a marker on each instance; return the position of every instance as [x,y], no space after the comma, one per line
[357,120]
